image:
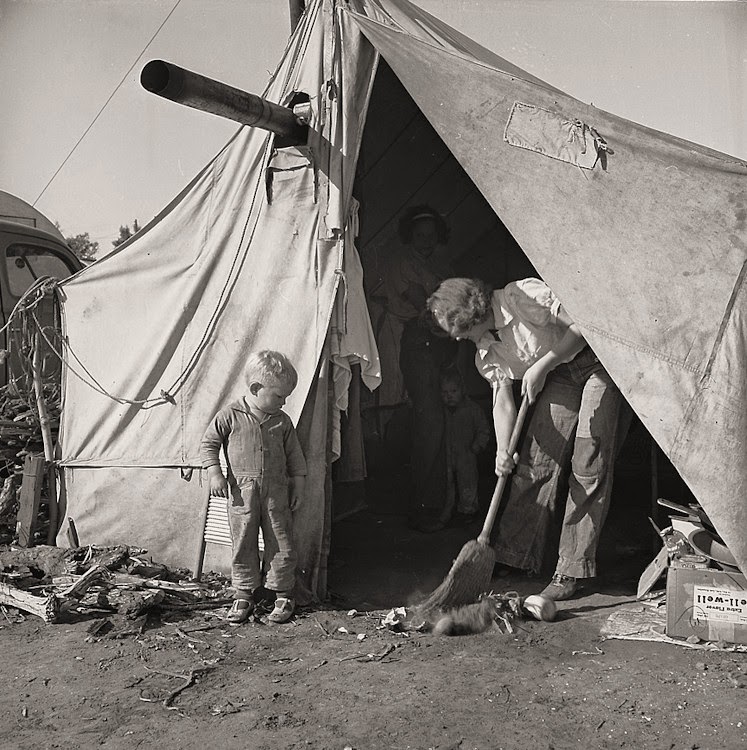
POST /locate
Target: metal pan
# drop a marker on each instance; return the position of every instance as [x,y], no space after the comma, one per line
[701,540]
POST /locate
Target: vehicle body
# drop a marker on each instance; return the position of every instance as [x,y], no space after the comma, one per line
[30,247]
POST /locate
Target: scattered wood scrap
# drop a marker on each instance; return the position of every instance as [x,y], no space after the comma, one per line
[189,679]
[116,581]
[80,584]
[43,560]
[8,498]
[47,607]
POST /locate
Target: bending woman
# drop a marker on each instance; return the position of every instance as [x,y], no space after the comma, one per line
[522,333]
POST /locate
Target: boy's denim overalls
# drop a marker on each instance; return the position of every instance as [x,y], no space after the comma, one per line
[261,458]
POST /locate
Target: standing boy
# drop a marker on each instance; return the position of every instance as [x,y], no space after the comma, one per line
[265,478]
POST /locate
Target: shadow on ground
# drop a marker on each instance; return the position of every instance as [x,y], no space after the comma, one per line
[378,561]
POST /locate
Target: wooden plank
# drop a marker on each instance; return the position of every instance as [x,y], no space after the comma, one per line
[46,607]
[28,501]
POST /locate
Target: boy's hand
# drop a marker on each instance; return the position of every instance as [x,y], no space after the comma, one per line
[297,485]
[218,485]
[295,498]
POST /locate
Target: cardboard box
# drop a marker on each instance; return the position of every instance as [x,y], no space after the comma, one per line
[708,603]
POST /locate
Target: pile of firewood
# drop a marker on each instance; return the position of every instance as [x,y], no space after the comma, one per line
[117,587]
[20,432]
[20,436]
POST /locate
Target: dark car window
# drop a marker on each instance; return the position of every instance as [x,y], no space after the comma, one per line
[25,263]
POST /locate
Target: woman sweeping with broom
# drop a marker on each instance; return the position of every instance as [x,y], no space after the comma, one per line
[522,333]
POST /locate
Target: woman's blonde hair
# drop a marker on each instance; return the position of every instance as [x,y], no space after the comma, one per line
[460,304]
[270,368]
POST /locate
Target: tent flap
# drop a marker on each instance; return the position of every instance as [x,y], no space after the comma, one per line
[644,250]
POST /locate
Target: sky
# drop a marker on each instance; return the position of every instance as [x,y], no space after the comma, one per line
[91,149]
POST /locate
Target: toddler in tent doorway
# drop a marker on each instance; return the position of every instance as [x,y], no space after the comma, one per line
[466,434]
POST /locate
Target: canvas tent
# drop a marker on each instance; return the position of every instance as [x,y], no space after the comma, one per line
[643,236]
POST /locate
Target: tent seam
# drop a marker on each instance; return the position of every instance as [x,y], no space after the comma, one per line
[637,347]
[678,443]
[453,53]
[725,319]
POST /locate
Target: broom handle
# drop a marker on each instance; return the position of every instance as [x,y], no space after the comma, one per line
[500,485]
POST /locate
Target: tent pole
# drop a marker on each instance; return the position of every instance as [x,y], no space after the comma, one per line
[655,488]
[46,438]
[296,8]
[40,404]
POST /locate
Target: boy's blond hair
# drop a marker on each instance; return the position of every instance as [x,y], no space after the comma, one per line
[270,368]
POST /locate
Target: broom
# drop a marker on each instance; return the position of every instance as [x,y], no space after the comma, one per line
[473,568]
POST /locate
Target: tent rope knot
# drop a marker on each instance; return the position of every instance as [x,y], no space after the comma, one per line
[577,132]
[166,396]
[599,142]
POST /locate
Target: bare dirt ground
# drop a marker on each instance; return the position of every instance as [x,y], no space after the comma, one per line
[330,679]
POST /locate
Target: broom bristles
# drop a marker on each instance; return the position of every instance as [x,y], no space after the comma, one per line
[472,570]
[468,578]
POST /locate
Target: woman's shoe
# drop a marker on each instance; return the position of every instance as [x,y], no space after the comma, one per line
[240,611]
[561,587]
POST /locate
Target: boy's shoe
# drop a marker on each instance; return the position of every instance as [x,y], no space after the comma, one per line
[240,610]
[283,611]
[560,587]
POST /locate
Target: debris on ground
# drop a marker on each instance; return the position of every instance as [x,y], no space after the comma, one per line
[115,584]
[639,623]
[492,610]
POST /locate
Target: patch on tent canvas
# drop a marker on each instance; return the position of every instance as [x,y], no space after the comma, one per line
[554,135]
[284,169]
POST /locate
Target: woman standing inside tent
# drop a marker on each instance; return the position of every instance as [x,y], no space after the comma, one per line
[406,279]
[523,333]
[411,354]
